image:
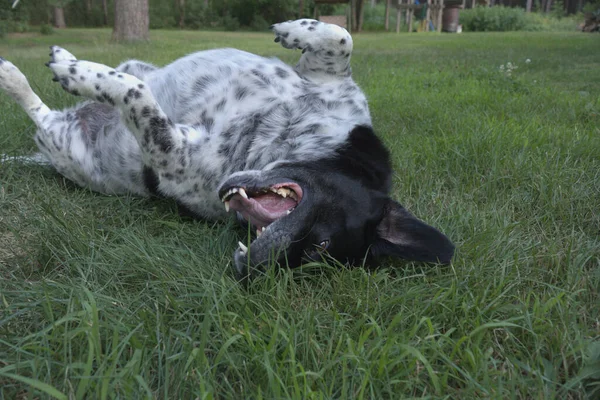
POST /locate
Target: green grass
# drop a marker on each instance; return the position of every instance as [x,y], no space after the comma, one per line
[118,297]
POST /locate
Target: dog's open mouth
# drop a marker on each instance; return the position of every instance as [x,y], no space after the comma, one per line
[263,206]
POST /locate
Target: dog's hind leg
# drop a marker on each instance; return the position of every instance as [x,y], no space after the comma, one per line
[139,69]
[88,144]
[168,149]
[326,48]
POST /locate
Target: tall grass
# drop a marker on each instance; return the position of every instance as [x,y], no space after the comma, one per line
[119,297]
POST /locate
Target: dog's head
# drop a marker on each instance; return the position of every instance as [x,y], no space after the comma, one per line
[336,208]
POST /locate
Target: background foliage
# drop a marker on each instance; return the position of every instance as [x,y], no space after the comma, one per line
[258,15]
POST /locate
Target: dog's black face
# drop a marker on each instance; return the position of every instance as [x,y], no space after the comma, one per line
[336,208]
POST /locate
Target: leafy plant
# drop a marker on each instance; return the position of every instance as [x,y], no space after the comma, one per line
[503,19]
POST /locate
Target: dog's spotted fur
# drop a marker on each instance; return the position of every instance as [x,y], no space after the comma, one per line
[210,117]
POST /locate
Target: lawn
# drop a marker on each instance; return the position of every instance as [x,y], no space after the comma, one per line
[119,297]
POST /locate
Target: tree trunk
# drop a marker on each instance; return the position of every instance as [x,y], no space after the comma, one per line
[105,12]
[528,6]
[88,13]
[131,20]
[301,9]
[181,13]
[59,17]
[548,6]
[387,15]
[359,11]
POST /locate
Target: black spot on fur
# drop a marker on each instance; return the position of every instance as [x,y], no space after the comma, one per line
[112,72]
[282,73]
[99,75]
[221,105]
[304,23]
[82,78]
[241,92]
[203,83]
[161,133]
[108,99]
[208,124]
[311,28]
[140,86]
[72,70]
[151,180]
[120,76]
[343,41]
[146,112]
[97,87]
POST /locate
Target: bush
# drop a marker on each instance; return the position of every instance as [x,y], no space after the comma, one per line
[502,19]
[486,19]
[229,23]
[46,29]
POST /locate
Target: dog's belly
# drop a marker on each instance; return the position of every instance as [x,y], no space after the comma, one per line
[250,111]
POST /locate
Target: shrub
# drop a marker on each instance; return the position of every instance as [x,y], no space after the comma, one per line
[486,19]
[46,29]
[229,23]
[501,19]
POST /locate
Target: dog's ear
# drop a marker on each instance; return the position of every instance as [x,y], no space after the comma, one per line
[402,235]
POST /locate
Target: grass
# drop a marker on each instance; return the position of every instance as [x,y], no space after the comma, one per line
[118,297]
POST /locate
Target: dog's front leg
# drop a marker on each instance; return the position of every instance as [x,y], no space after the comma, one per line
[162,142]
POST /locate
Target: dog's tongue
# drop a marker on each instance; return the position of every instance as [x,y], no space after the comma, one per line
[261,210]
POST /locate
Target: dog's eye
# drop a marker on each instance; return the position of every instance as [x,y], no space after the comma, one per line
[322,246]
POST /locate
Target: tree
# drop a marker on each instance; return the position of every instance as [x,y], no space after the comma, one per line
[357,18]
[180,5]
[58,10]
[105,12]
[131,20]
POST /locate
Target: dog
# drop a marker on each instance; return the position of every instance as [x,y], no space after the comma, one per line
[290,150]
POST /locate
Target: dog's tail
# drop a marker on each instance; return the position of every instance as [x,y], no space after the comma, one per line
[36,159]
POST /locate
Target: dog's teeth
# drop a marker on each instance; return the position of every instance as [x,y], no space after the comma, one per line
[242,193]
[293,195]
[258,232]
[263,228]
[243,249]
[283,192]
[227,206]
[289,211]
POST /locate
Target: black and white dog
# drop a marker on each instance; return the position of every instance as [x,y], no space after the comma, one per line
[290,150]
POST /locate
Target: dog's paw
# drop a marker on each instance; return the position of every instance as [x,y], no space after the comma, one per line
[312,35]
[12,80]
[58,54]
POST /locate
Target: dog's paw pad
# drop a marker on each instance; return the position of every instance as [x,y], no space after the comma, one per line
[11,79]
[288,33]
[58,54]
[312,35]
